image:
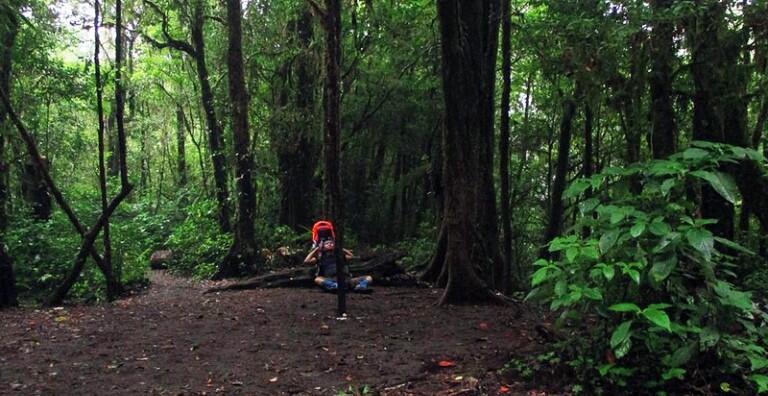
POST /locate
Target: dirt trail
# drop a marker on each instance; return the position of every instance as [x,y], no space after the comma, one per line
[174,340]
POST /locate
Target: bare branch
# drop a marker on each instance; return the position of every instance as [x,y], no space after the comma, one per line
[43,169]
[216,19]
[169,41]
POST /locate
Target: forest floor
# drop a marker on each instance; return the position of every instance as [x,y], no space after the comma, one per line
[172,339]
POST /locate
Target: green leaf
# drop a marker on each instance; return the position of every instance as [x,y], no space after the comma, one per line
[588,205]
[662,268]
[617,217]
[695,153]
[659,228]
[758,362]
[667,185]
[761,381]
[720,182]
[623,349]
[604,369]
[708,337]
[682,355]
[571,253]
[735,246]
[634,275]
[541,262]
[608,272]
[562,243]
[734,298]
[539,276]
[536,294]
[665,167]
[608,240]
[637,230]
[705,144]
[701,240]
[576,188]
[561,288]
[657,317]
[673,373]
[621,334]
[590,252]
[625,307]
[597,180]
[593,294]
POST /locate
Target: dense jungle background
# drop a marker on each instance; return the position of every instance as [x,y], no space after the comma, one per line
[598,165]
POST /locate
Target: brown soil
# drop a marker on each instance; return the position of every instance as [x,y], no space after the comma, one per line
[175,340]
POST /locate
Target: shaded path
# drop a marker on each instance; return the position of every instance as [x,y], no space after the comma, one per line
[175,340]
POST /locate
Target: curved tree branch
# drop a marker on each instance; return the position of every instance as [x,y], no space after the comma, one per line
[170,42]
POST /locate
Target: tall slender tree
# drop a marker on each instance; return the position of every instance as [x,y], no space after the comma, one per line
[9,25]
[557,207]
[196,50]
[113,282]
[662,54]
[293,140]
[330,19]
[242,255]
[486,194]
[709,64]
[504,156]
[181,151]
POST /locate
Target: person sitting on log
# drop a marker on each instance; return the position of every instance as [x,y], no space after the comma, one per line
[323,255]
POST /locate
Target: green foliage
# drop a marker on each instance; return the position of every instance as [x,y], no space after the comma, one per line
[271,236]
[353,390]
[419,250]
[659,288]
[197,243]
[43,250]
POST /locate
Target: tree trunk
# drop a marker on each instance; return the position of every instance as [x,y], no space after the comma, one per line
[34,191]
[633,100]
[486,194]
[113,281]
[295,149]
[462,37]
[113,165]
[243,255]
[215,134]
[87,244]
[181,151]
[557,209]
[662,53]
[7,39]
[710,69]
[333,205]
[7,280]
[504,156]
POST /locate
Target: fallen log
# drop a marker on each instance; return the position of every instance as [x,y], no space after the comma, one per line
[384,270]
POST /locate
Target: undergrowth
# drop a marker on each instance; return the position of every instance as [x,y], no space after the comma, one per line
[651,300]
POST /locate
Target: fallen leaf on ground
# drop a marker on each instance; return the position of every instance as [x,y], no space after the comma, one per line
[446,363]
